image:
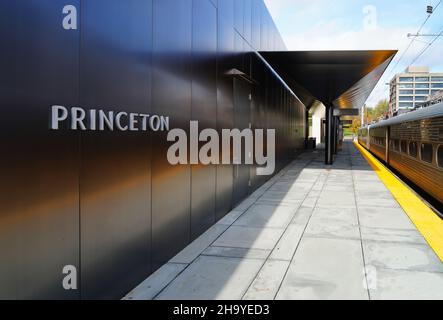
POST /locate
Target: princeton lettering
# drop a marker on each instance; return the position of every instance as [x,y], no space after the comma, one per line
[76,118]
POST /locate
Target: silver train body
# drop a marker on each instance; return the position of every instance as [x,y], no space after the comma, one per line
[412,144]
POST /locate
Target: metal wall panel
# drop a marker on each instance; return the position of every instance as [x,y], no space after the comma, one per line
[204,110]
[247,20]
[115,180]
[225,104]
[264,28]
[162,57]
[171,93]
[242,110]
[39,231]
[258,111]
[256,24]
[239,16]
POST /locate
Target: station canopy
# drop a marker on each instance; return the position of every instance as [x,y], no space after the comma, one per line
[343,79]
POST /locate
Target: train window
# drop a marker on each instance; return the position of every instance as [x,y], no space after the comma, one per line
[413,149]
[395,145]
[404,147]
[426,152]
[440,156]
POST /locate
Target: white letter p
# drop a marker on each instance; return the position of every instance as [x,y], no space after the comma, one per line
[59,113]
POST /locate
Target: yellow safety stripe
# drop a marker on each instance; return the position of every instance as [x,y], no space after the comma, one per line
[426,220]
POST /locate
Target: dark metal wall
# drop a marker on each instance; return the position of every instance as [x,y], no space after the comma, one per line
[109,203]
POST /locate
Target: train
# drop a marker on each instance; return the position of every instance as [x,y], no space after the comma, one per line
[411,144]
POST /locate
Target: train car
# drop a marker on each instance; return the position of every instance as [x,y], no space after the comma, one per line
[412,144]
[363,137]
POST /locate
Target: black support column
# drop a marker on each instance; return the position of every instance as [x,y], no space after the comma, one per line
[329,134]
[306,127]
[336,127]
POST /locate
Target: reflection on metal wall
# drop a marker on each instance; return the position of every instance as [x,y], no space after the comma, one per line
[108,202]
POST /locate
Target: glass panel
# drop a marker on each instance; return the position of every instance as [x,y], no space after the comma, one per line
[396,145]
[406,98]
[405,105]
[437,85]
[406,91]
[404,147]
[422,79]
[413,149]
[420,98]
[406,79]
[422,85]
[437,79]
[422,92]
[406,85]
[440,156]
[426,152]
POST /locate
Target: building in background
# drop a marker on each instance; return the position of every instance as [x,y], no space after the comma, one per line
[413,87]
[434,98]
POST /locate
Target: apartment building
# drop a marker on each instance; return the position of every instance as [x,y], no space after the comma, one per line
[413,87]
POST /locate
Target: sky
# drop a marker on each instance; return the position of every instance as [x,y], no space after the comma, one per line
[363,25]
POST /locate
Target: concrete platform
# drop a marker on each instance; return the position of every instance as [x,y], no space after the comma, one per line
[311,232]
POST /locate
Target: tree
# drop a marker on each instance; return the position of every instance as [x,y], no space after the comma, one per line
[356,124]
[381,109]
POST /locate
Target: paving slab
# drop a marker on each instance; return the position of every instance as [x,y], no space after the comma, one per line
[407,285]
[267,215]
[325,269]
[288,243]
[377,202]
[403,256]
[310,201]
[330,227]
[230,218]
[331,199]
[392,235]
[303,215]
[284,195]
[290,186]
[193,250]
[248,237]
[237,252]
[148,289]
[338,213]
[287,202]
[345,188]
[373,194]
[267,282]
[393,218]
[210,278]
